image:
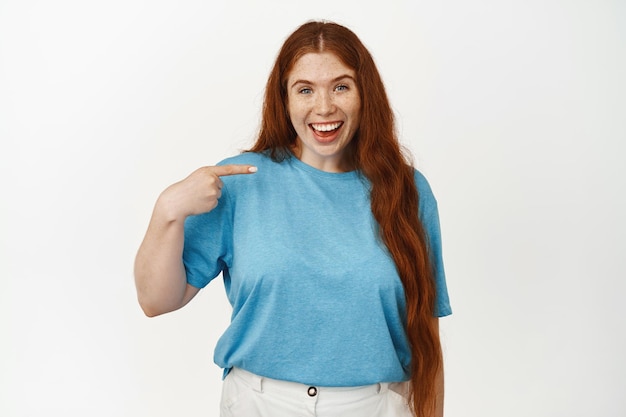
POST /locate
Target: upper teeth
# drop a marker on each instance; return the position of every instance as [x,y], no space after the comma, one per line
[326,127]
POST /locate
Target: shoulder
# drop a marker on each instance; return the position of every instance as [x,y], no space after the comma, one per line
[250,158]
[269,174]
[422,184]
[427,200]
[264,164]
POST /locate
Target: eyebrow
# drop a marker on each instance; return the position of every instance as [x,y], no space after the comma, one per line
[334,80]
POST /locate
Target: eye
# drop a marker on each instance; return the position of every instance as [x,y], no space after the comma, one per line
[305,90]
[341,87]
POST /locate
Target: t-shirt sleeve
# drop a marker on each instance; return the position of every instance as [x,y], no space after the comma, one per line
[207,249]
[429,216]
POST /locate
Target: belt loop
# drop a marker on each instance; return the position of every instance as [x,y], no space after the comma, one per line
[257,383]
[382,387]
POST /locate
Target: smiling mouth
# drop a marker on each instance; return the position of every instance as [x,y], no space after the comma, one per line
[325,127]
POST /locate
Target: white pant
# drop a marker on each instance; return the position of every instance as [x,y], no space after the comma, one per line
[248,395]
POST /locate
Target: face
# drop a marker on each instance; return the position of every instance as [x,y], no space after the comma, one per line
[324,106]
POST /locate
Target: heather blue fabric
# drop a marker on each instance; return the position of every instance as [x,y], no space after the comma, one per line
[316,297]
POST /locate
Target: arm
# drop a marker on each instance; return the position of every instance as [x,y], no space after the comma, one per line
[159,272]
[160,275]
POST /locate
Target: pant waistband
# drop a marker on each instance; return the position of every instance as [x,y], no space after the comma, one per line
[268,385]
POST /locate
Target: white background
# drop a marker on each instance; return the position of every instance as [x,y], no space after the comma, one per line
[514,110]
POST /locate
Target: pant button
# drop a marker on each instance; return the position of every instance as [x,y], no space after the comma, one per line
[312,391]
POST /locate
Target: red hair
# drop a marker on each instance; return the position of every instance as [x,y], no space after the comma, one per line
[377,154]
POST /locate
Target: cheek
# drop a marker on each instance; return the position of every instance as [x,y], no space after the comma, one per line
[351,105]
[294,111]
[355,110]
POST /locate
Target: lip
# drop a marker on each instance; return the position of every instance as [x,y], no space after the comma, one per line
[324,137]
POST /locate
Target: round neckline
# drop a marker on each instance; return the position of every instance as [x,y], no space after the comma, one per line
[293,160]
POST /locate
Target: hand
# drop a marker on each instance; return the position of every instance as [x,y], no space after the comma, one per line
[199,192]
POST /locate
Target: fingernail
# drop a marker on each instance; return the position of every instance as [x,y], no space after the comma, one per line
[253,169]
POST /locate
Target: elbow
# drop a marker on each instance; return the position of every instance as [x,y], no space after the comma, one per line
[154,305]
[150,305]
[152,302]
[151,309]
[148,309]
[150,312]
[159,298]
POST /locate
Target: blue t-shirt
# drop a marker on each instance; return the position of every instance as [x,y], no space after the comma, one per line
[316,296]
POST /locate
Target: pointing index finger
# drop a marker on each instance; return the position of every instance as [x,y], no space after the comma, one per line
[234,169]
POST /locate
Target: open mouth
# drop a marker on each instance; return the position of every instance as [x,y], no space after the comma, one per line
[325,128]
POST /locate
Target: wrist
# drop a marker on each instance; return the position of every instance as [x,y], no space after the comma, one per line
[168,208]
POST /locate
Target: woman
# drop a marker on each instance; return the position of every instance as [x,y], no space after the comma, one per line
[328,242]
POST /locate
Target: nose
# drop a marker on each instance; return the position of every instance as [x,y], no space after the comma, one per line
[324,104]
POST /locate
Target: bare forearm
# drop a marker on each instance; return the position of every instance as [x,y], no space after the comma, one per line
[159,272]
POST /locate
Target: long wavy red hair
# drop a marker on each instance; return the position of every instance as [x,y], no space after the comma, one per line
[377,154]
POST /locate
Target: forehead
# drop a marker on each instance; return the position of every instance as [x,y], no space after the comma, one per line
[319,67]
